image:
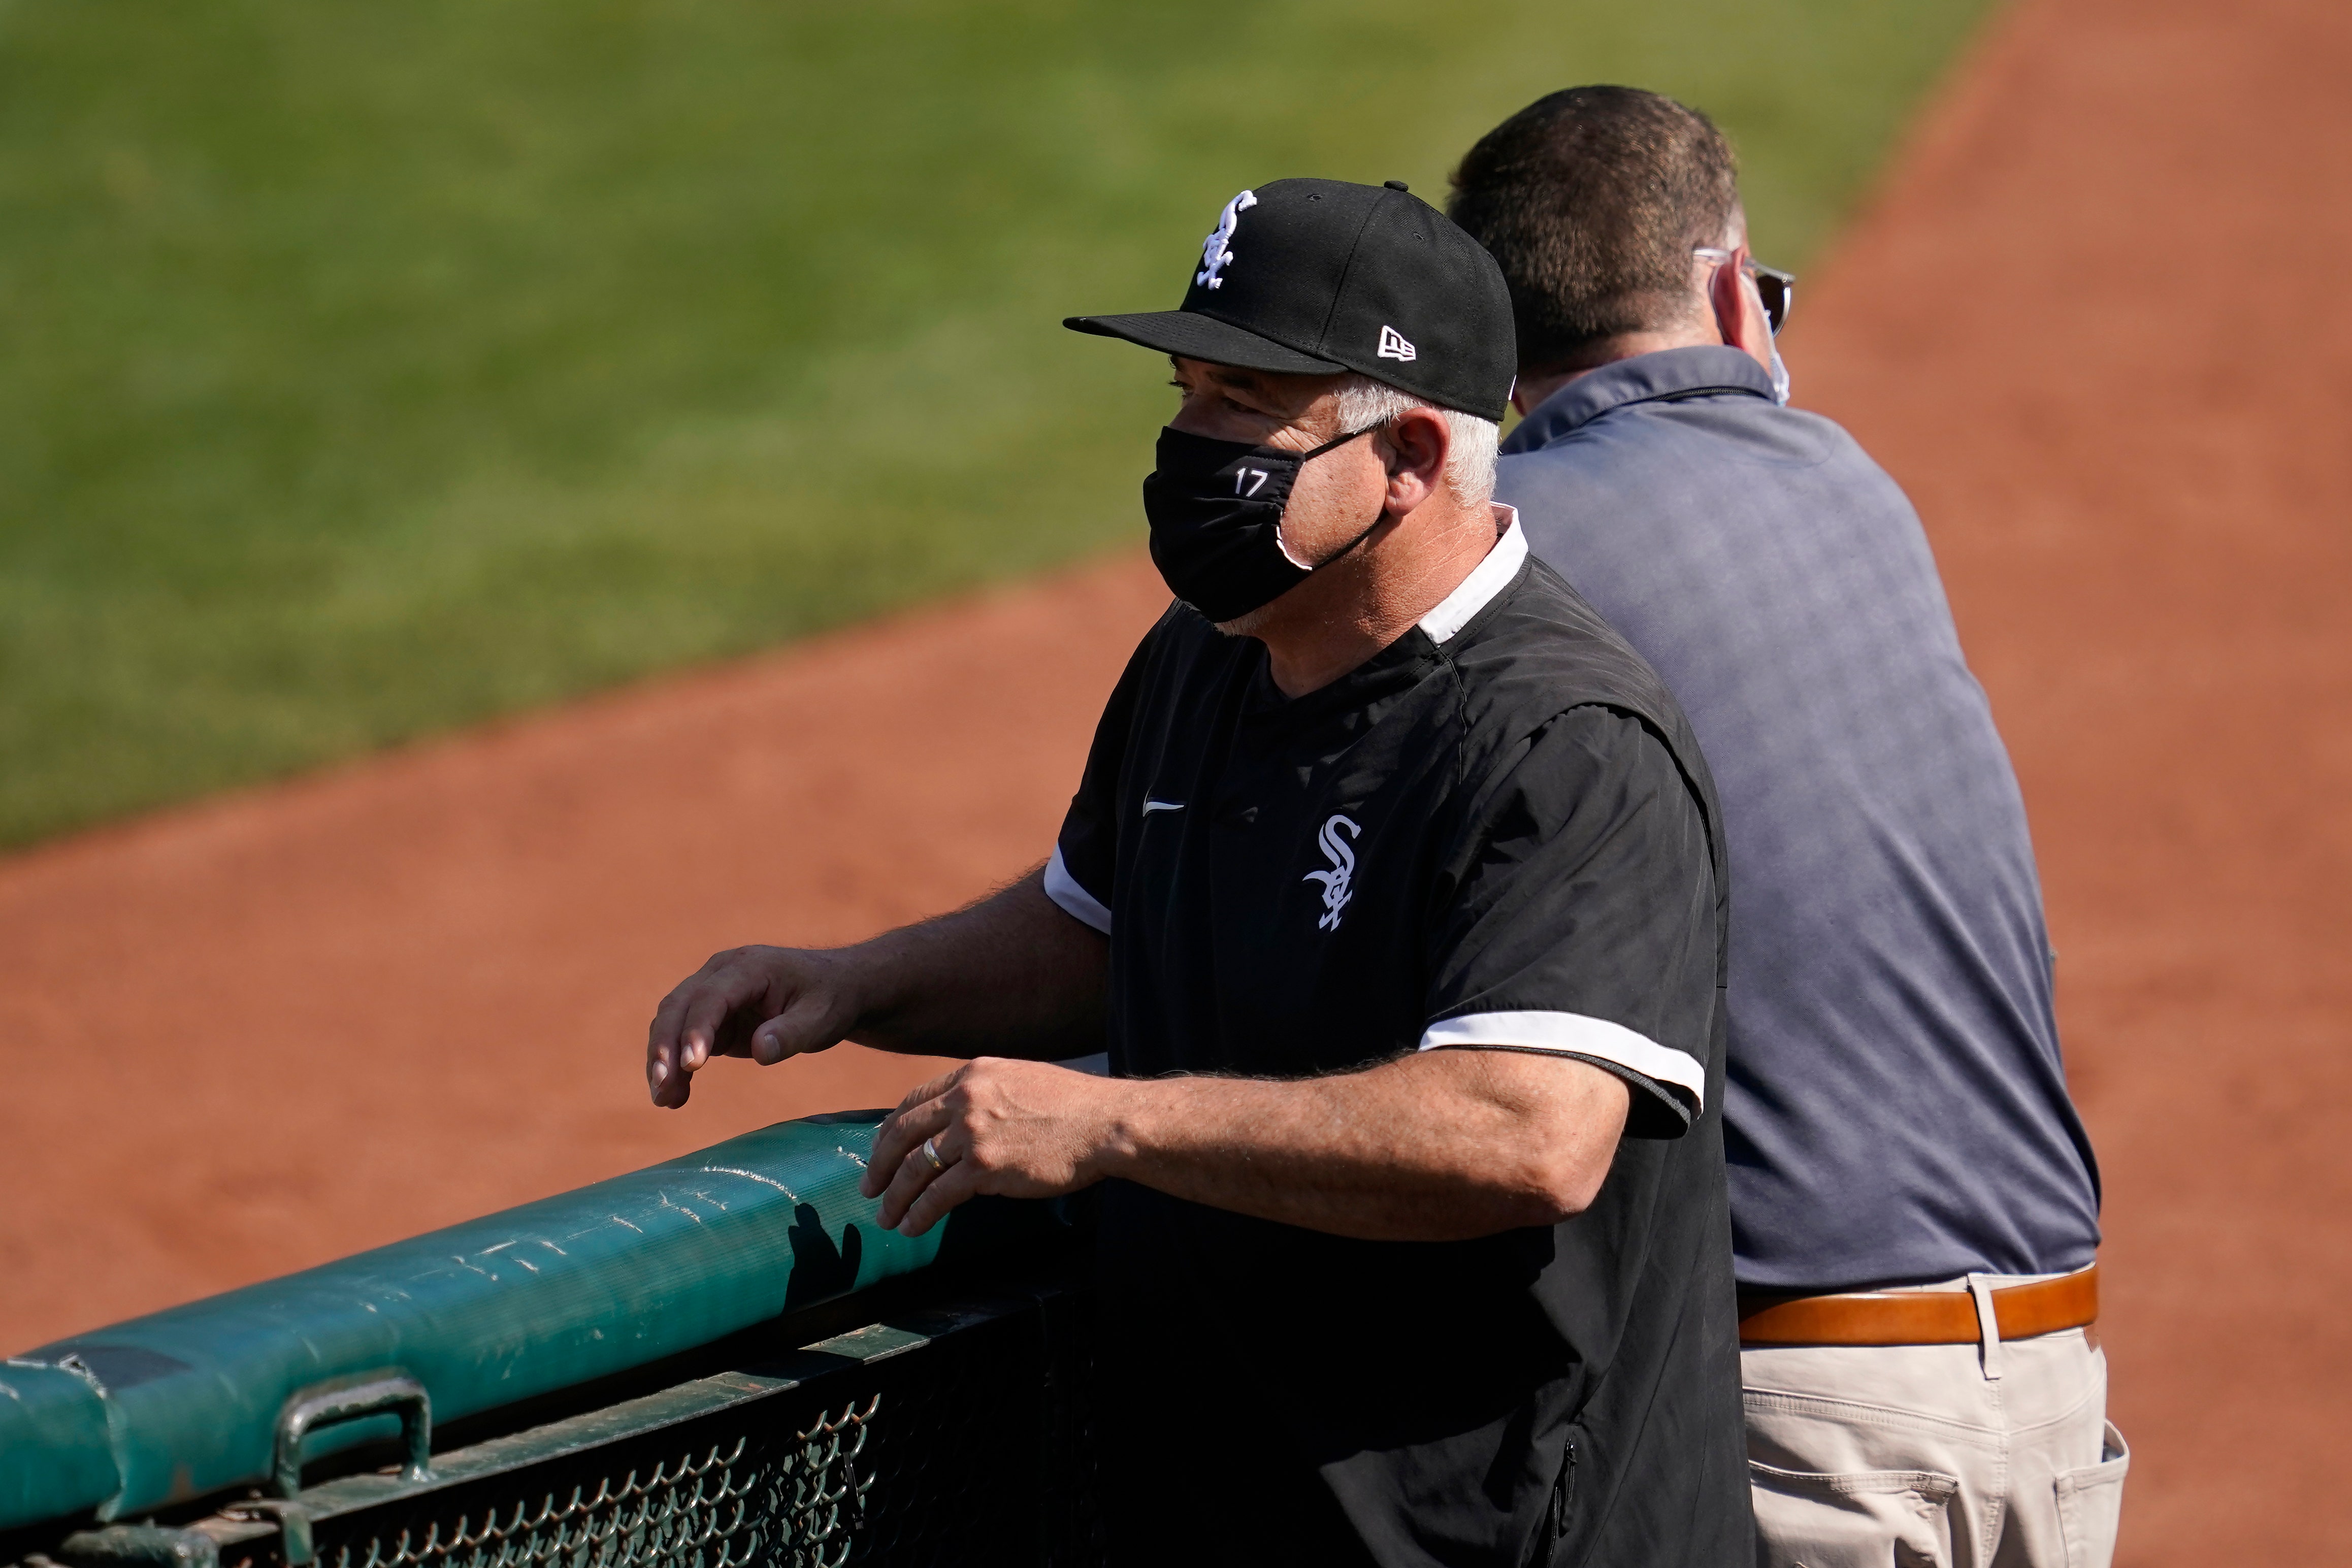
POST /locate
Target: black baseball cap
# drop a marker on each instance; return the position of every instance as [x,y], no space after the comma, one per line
[1316,277]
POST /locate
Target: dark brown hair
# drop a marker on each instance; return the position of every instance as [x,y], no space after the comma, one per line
[1592,199]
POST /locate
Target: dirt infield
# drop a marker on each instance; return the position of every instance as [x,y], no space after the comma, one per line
[273,1030]
[2090,324]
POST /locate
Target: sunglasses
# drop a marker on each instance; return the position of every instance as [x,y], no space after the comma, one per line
[1777,288]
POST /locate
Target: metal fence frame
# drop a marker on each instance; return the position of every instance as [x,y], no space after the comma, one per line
[952,1428]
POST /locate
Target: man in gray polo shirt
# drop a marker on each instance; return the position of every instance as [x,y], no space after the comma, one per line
[1914,1201]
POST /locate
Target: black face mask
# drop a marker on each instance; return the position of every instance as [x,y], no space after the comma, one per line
[1215,510]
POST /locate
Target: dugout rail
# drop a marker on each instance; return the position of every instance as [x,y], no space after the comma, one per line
[716,1363]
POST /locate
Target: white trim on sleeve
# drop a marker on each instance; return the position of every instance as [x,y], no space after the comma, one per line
[1577,1035]
[1076,902]
[1487,579]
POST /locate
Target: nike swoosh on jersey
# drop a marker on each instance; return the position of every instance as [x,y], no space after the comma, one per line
[1152,805]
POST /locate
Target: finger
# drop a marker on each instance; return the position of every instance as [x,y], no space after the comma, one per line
[935,1088]
[697,1031]
[671,1015]
[891,1142]
[898,1139]
[667,1083]
[810,1021]
[707,1009]
[661,1039]
[914,1173]
[956,1183]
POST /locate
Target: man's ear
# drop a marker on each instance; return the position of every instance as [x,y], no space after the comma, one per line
[1421,440]
[1739,312]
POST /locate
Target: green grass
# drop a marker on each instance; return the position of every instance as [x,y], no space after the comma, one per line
[368,369]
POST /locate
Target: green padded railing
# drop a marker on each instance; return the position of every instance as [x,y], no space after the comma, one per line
[238,1390]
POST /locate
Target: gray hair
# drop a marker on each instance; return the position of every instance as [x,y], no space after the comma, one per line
[1470,457]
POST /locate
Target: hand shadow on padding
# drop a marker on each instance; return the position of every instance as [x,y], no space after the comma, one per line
[820,1270]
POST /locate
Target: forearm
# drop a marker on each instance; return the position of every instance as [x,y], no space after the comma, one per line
[1437,1146]
[1011,976]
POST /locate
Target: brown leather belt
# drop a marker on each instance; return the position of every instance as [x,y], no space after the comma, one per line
[1920,1317]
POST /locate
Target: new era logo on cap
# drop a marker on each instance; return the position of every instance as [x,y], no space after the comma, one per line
[1393,345]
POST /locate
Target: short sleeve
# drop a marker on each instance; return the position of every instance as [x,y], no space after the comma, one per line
[1581,919]
[1080,874]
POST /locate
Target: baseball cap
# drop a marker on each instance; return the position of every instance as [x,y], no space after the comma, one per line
[1316,277]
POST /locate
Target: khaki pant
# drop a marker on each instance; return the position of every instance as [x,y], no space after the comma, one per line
[1998,1456]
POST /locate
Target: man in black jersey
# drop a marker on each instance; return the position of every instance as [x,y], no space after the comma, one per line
[1392,884]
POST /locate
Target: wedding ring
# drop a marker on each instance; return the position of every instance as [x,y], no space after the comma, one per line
[931,1153]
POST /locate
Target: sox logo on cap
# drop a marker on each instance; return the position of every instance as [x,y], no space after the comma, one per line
[1216,252]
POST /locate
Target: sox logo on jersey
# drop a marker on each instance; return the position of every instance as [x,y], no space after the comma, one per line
[1339,881]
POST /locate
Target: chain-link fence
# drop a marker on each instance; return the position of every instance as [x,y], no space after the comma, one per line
[956,1433]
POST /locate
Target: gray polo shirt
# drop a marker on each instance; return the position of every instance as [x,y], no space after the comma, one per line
[1896,1110]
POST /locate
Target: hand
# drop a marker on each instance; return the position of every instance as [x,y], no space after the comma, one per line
[765,1003]
[1020,1129]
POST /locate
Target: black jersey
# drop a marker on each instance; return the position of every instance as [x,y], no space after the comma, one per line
[1498,833]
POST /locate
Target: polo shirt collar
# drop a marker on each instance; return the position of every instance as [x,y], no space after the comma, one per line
[1487,579]
[1666,374]
[1405,661]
